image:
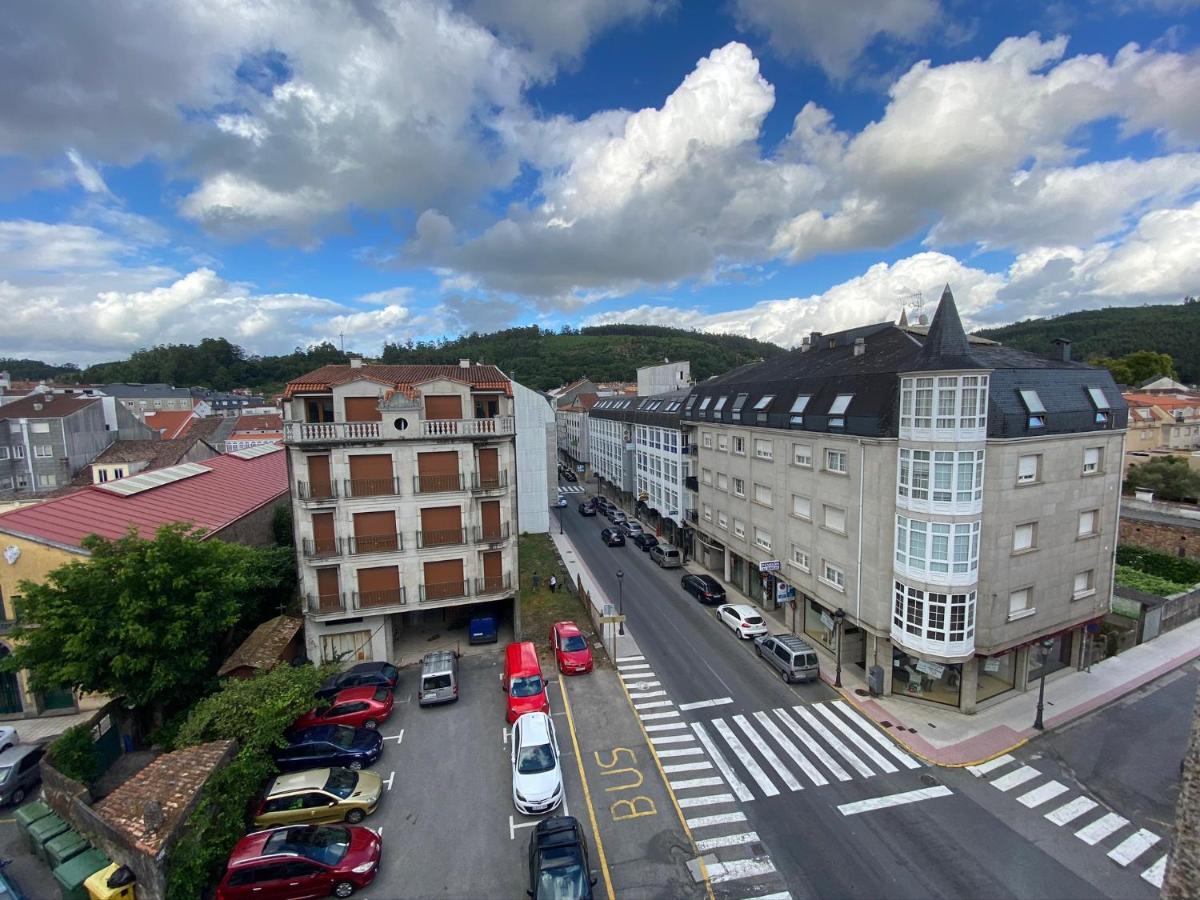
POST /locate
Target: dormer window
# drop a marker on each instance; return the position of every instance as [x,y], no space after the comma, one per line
[837,411]
[720,404]
[798,407]
[738,402]
[764,402]
[704,403]
[1102,407]
[690,403]
[1033,406]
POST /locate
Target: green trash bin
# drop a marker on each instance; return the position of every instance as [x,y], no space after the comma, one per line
[74,872]
[66,846]
[28,814]
[42,831]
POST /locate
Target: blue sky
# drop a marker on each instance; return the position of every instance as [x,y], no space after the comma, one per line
[281,173]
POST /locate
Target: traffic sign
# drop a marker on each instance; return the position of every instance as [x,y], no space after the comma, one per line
[612,620]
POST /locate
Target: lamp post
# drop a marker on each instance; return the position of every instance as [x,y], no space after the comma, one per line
[620,601]
[1044,649]
[839,616]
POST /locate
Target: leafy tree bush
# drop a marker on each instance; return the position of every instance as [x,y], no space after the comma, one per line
[1170,477]
[1138,367]
[1172,568]
[1147,583]
[74,754]
[281,526]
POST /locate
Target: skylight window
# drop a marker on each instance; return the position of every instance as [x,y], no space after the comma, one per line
[739,401]
[1032,402]
[840,403]
[798,407]
[704,403]
[1098,398]
[691,401]
[764,402]
[720,404]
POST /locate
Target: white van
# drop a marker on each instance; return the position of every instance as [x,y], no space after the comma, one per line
[666,556]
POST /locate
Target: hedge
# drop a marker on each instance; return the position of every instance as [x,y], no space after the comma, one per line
[1172,568]
[74,754]
[1129,577]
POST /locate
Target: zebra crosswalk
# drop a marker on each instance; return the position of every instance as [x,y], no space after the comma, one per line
[570,488]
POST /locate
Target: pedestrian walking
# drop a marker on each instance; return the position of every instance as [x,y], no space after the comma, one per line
[536,581]
[553,584]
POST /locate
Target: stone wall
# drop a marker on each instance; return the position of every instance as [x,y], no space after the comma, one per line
[1183,869]
[1177,540]
[255,529]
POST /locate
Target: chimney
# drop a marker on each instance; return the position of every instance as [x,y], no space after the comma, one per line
[356,362]
[464,364]
[1064,348]
[860,346]
[814,340]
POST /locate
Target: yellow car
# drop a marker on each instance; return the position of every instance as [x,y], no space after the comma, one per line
[319,795]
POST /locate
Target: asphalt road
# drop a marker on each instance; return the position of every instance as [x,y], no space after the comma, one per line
[945,846]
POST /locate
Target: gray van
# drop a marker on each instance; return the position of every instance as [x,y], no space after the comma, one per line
[439,678]
[795,659]
[19,772]
[666,556]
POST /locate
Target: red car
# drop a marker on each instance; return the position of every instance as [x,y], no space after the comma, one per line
[301,861]
[571,650]
[360,707]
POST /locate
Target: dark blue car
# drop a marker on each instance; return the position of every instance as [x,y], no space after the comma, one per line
[367,674]
[329,745]
[483,630]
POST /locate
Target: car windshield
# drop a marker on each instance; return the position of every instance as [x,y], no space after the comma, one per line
[320,843]
[341,782]
[343,736]
[754,620]
[5,772]
[573,643]
[532,760]
[562,876]
[528,686]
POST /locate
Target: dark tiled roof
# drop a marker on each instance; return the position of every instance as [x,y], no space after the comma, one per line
[262,649]
[45,406]
[634,412]
[126,391]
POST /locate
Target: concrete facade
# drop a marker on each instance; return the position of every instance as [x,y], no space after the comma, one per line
[670,376]
[537,472]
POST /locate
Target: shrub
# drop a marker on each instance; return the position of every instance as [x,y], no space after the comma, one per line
[1173,568]
[1147,583]
[74,754]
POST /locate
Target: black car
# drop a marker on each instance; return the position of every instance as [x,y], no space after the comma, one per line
[329,745]
[612,537]
[704,588]
[558,861]
[645,541]
[367,674]
[569,475]
[586,509]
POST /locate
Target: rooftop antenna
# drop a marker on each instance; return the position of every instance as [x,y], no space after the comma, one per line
[342,338]
[915,300]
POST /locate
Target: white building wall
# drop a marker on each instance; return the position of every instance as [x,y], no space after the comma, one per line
[660,379]
[661,467]
[536,465]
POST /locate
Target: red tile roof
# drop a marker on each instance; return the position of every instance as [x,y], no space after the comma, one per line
[212,500]
[173,423]
[53,406]
[1166,403]
[402,377]
[268,422]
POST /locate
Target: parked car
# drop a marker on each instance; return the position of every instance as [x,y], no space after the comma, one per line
[301,861]
[522,681]
[560,502]
[439,678]
[20,772]
[743,619]
[360,707]
[571,651]
[569,475]
[329,745]
[537,784]
[586,509]
[482,630]
[558,861]
[666,556]
[319,795]
[8,738]
[704,588]
[631,527]
[646,541]
[612,537]
[794,658]
[361,675]
[616,516]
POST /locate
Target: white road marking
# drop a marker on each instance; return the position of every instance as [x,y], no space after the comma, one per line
[646,695]
[723,819]
[991,765]
[633,667]
[719,872]
[1068,812]
[782,895]
[831,739]
[756,772]
[687,767]
[855,738]
[1101,828]
[791,749]
[685,751]
[512,827]
[735,783]
[662,715]
[635,676]
[1155,873]
[696,782]
[850,809]
[1040,795]
[729,840]
[705,801]
[665,726]
[643,685]
[876,735]
[1133,847]
[504,732]
[813,747]
[391,775]
[396,737]
[653,704]
[775,762]
[701,704]
[672,739]
[1015,778]
[622,659]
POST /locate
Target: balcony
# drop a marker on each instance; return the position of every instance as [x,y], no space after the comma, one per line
[693,449]
[495,584]
[497,482]
[690,515]
[466,428]
[371,487]
[325,606]
[407,426]
[691,483]
[325,493]
[379,601]
[446,590]
[322,548]
[376,543]
[330,432]
[485,535]
[438,484]
[446,537]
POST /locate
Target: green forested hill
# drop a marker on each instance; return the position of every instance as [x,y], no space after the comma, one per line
[1114,332]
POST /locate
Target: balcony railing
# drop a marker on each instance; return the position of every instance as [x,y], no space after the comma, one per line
[325,605]
[485,534]
[497,482]
[318,548]
[307,491]
[691,516]
[458,428]
[371,487]
[493,584]
[445,537]
[405,426]
[377,600]
[446,590]
[326,432]
[438,484]
[375,543]
[691,483]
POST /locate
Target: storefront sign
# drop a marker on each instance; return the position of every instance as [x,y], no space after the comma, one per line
[827,620]
[932,669]
[991,665]
[784,593]
[769,565]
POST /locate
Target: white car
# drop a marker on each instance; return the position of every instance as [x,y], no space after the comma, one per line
[743,619]
[8,737]
[561,501]
[536,774]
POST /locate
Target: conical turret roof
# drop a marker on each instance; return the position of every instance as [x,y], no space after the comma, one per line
[946,345]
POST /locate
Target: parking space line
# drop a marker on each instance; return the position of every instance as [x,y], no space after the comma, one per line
[721,819]
[391,776]
[396,737]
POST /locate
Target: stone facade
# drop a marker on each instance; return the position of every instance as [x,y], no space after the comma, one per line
[1180,538]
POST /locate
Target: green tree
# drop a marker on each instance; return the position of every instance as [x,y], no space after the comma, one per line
[1171,478]
[149,620]
[1138,367]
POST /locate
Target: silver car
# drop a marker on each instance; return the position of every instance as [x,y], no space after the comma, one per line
[439,677]
[20,772]
[666,556]
[795,659]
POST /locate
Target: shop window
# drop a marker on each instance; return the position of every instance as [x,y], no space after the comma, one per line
[916,677]
[995,675]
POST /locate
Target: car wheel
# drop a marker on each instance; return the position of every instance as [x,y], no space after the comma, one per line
[370,723]
[354,816]
[17,796]
[343,889]
[784,675]
[356,765]
[758,650]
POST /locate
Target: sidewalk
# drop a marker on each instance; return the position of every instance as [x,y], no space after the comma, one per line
[948,738]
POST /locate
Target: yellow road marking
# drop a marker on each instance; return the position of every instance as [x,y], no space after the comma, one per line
[587,794]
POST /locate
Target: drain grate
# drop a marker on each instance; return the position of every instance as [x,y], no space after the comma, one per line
[886,724]
[928,780]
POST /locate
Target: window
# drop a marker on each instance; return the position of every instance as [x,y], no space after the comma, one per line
[840,404]
[739,528]
[1028,468]
[801,507]
[937,548]
[722,481]
[6,484]
[720,404]
[1091,460]
[945,402]
[18,451]
[835,519]
[704,403]
[1088,521]
[739,445]
[799,559]
[835,461]
[1024,537]
[43,451]
[913,477]
[762,494]
[1101,403]
[1019,603]
[833,576]
[722,520]
[47,481]
[39,428]
[763,449]
[1033,405]
[1084,584]
[691,401]
[762,539]
[706,439]
[3,453]
[738,402]
[802,455]
[933,616]
[764,402]
[707,513]
[798,407]
[723,442]
[739,487]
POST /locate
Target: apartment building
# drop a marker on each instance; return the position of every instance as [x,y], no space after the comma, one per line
[938,507]
[140,399]
[403,497]
[610,448]
[571,422]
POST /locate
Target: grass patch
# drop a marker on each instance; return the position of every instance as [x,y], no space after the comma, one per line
[541,608]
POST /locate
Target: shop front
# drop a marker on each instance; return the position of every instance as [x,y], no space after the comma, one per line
[926,680]
[995,675]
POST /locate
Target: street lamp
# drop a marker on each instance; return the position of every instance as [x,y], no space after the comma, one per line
[620,601]
[1044,649]
[839,616]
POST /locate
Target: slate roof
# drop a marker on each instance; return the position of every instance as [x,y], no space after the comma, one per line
[399,377]
[262,649]
[45,406]
[133,391]
[632,409]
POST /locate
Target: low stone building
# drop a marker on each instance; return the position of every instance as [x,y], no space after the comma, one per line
[273,642]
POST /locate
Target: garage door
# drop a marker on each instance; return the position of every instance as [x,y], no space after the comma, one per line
[352,646]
